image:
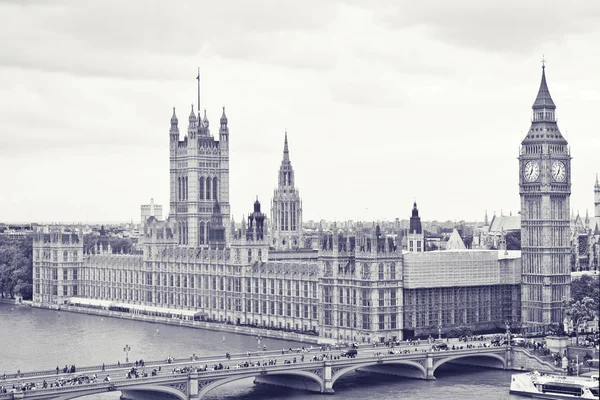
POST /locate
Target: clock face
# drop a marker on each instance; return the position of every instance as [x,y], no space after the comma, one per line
[559,171]
[532,171]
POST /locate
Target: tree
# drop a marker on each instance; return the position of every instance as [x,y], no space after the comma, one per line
[121,244]
[16,272]
[513,240]
[586,286]
[580,311]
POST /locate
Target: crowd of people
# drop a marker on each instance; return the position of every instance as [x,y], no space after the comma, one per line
[298,355]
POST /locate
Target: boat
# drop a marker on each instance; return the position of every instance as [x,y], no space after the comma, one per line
[547,386]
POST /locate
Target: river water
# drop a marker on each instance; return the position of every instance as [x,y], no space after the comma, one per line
[33,339]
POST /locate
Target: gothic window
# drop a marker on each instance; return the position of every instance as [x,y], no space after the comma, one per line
[208,181]
[393,271]
[215,197]
[293,220]
[201,232]
[365,271]
[202,188]
[381,272]
[178,188]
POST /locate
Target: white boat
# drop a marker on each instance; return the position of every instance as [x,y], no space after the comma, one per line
[547,386]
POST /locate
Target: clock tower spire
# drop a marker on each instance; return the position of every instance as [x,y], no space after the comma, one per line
[545,190]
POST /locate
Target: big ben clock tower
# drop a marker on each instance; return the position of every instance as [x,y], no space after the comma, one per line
[545,189]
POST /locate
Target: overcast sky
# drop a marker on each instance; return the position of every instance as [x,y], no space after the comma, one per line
[384,103]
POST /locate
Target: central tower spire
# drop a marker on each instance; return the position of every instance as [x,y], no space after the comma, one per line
[286,207]
[286,152]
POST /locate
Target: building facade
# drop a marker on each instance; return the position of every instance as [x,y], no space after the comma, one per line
[286,208]
[478,290]
[415,239]
[57,263]
[150,210]
[545,189]
[351,285]
[199,176]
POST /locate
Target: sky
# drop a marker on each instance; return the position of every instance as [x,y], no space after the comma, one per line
[385,102]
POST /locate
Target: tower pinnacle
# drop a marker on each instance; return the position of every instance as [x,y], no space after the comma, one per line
[286,151]
[543,99]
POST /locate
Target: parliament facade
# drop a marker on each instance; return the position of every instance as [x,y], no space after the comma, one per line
[352,285]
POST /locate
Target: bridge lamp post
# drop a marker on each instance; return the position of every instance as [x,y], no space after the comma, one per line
[126,349]
[440,331]
[507,332]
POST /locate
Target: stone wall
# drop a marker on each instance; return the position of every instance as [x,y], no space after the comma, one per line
[524,360]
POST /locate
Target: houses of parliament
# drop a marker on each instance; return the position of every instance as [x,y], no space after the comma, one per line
[344,284]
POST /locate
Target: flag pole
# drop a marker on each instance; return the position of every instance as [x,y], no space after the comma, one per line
[198,78]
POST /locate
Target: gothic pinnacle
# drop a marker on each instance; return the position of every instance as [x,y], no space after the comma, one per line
[286,152]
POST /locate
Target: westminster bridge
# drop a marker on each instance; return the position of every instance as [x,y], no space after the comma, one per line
[291,369]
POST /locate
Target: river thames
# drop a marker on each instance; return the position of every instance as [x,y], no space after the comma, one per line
[34,339]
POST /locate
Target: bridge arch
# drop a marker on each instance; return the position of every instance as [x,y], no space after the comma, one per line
[218,383]
[147,388]
[351,368]
[459,356]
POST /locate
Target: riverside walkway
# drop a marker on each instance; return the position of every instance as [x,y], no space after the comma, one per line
[311,369]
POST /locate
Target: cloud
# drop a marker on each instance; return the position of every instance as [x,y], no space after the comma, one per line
[511,26]
[135,40]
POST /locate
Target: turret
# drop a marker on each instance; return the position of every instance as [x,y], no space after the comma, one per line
[205,125]
[174,131]
[415,237]
[415,220]
[223,128]
[216,230]
[192,127]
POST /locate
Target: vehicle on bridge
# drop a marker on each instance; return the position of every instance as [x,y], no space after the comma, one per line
[350,353]
[439,346]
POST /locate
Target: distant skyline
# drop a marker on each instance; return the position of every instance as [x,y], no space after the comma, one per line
[384,102]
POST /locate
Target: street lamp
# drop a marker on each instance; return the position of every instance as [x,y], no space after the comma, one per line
[258,345]
[507,332]
[440,331]
[126,349]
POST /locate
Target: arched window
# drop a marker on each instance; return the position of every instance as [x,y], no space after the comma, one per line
[381,272]
[202,188]
[208,181]
[215,197]
[201,232]
[178,188]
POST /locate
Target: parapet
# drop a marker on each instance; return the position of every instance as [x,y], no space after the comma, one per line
[57,235]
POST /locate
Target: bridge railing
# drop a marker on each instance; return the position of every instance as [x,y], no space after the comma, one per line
[118,385]
[154,363]
[266,368]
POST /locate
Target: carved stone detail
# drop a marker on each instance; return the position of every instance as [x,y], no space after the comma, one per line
[334,371]
[318,372]
[182,387]
[202,384]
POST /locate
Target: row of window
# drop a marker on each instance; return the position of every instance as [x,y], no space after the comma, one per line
[208,188]
[67,255]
